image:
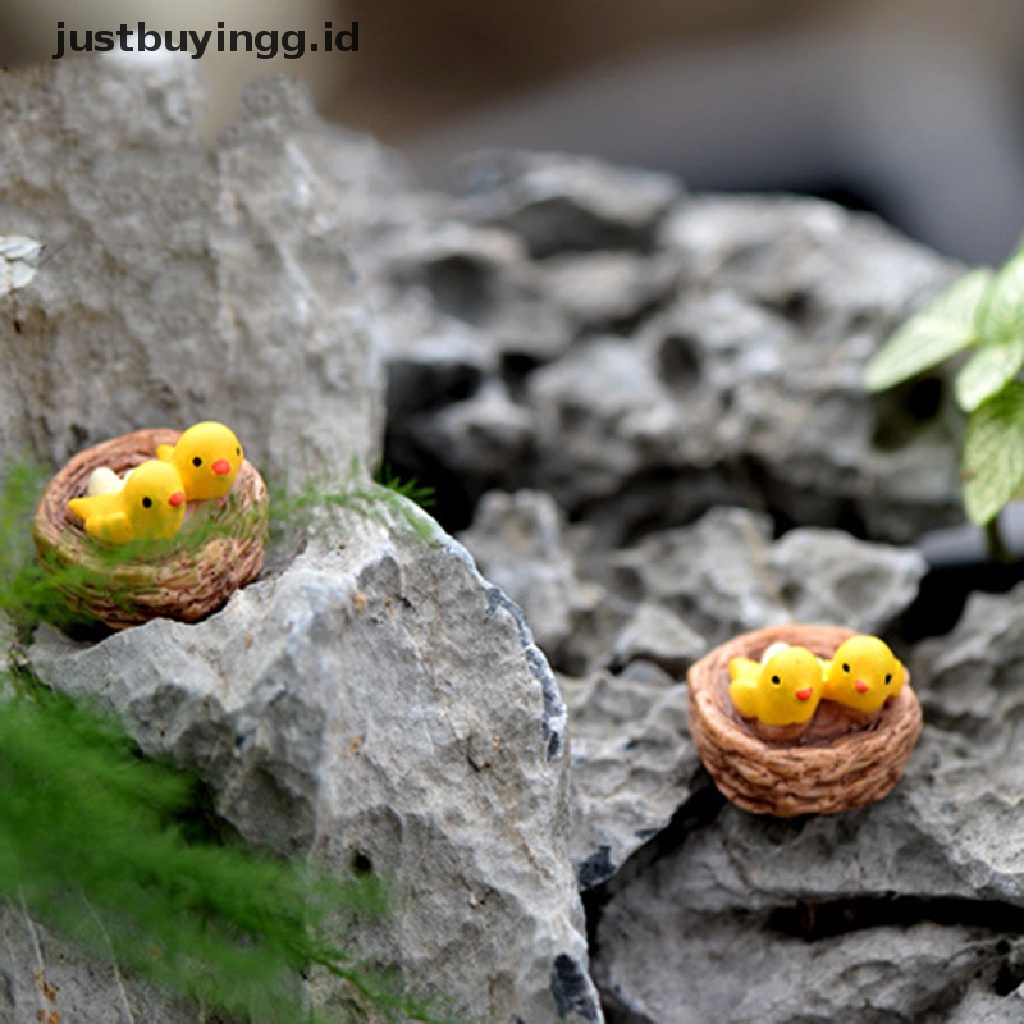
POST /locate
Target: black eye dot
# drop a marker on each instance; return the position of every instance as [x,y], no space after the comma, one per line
[197,462]
[846,668]
[147,502]
[238,451]
[888,679]
[776,680]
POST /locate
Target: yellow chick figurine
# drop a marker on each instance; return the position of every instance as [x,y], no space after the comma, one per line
[784,689]
[208,457]
[863,674]
[150,506]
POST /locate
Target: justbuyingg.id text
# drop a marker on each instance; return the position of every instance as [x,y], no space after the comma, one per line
[265,43]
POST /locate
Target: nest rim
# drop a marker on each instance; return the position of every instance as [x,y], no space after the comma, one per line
[787,779]
[163,580]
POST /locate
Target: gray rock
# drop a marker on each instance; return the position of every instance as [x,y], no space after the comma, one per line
[479,276]
[829,576]
[517,542]
[602,417]
[968,679]
[484,435]
[788,252]
[986,1007]
[765,400]
[633,764]
[714,575]
[45,979]
[658,635]
[180,281]
[724,576]
[379,703]
[714,352]
[559,203]
[670,966]
[603,289]
[938,859]
[899,847]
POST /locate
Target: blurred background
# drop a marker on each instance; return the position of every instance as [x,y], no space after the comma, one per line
[913,109]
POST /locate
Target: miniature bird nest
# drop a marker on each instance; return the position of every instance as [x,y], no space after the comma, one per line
[838,764]
[219,549]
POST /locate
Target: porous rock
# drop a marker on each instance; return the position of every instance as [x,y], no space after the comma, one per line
[724,575]
[180,281]
[931,872]
[658,635]
[673,967]
[714,354]
[557,203]
[517,541]
[479,276]
[379,704]
[655,609]
[859,908]
[634,764]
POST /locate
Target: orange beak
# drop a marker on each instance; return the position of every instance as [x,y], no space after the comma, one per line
[860,686]
[805,694]
[176,499]
[221,467]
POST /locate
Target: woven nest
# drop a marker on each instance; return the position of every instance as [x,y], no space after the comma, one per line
[838,764]
[174,581]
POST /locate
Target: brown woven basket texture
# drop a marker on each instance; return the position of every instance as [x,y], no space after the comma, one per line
[812,775]
[176,583]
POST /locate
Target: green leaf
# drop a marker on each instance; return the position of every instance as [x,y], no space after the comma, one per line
[988,371]
[1001,317]
[993,461]
[946,327]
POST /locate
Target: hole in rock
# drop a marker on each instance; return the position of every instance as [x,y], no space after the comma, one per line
[902,412]
[944,591]
[515,368]
[1008,980]
[815,921]
[361,863]
[416,387]
[922,398]
[462,286]
[678,362]
[455,495]
[797,306]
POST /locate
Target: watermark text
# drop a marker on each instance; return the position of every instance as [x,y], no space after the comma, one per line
[265,43]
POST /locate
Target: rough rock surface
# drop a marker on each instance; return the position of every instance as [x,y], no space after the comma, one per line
[634,764]
[45,979]
[380,703]
[679,352]
[560,204]
[625,641]
[180,281]
[675,594]
[931,874]
[615,358]
[671,966]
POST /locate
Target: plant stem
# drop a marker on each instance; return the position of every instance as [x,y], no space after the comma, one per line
[997,547]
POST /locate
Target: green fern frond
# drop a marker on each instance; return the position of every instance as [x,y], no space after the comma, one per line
[93,840]
[89,845]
